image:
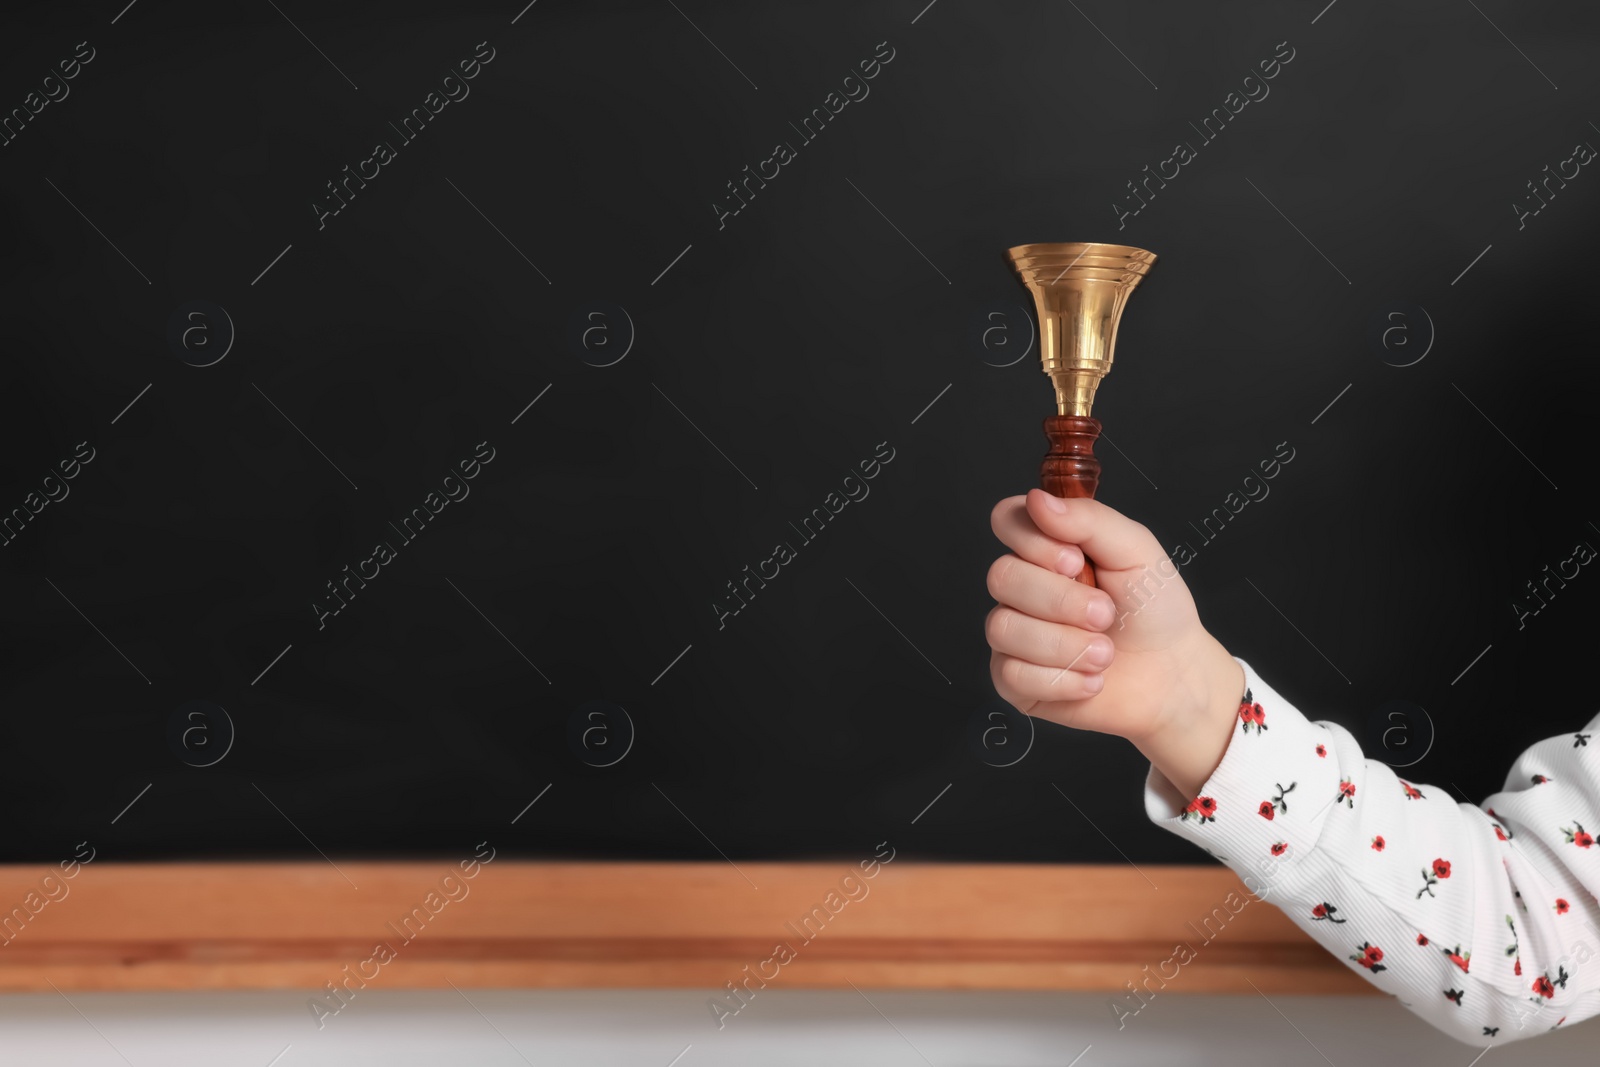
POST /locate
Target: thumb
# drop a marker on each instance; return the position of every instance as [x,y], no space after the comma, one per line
[1108,537]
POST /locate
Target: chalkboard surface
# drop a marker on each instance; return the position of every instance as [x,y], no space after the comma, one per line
[398,402]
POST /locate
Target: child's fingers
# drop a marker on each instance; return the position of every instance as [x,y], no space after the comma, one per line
[1046,643]
[1080,713]
[1022,703]
[1107,536]
[1047,595]
[1027,684]
[1017,531]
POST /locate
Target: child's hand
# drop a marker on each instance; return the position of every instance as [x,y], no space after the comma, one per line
[1129,658]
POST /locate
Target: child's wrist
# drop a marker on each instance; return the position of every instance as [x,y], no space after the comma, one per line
[1191,741]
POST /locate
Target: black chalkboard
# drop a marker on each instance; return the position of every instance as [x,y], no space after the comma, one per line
[392,394]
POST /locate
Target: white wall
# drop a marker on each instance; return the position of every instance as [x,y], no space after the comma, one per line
[400,1028]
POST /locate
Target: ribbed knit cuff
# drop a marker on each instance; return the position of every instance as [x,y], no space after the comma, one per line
[1277,761]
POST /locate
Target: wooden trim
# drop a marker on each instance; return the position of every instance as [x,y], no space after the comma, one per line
[534,924]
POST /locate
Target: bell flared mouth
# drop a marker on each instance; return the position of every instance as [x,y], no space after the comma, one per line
[1079,291]
[1046,263]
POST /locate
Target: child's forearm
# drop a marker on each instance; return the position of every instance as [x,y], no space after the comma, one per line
[1483,920]
[1189,749]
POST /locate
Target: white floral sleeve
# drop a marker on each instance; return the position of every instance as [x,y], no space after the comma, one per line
[1482,920]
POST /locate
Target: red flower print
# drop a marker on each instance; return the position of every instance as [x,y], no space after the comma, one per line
[1441,868]
[1277,803]
[1455,995]
[1280,848]
[1412,792]
[1545,986]
[1326,911]
[1518,968]
[1457,958]
[1322,750]
[1251,714]
[1347,790]
[1319,912]
[1501,834]
[1422,939]
[1201,808]
[1540,779]
[1578,835]
[1378,843]
[1368,956]
[1562,907]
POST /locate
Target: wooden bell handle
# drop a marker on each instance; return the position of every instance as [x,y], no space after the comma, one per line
[1070,468]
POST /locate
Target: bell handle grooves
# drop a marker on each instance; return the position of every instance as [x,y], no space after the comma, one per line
[1070,468]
